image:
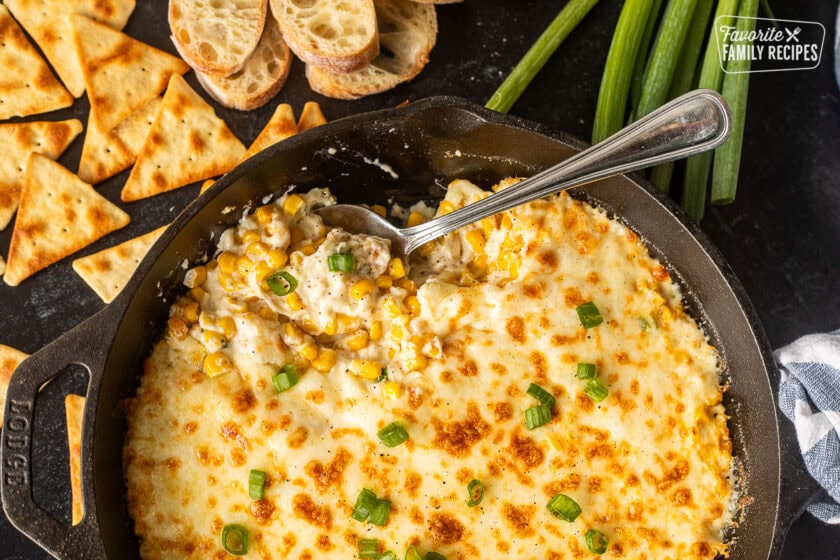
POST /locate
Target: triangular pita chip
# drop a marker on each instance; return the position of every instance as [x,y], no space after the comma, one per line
[48,23]
[105,154]
[18,141]
[187,143]
[2,265]
[58,215]
[310,117]
[108,271]
[74,409]
[206,185]
[10,359]
[121,73]
[27,87]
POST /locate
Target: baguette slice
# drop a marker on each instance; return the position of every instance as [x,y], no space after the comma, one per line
[407,33]
[263,75]
[340,36]
[216,37]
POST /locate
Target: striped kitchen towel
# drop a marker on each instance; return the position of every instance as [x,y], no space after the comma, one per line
[810,396]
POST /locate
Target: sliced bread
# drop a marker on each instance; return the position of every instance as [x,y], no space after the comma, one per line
[407,34]
[259,80]
[338,35]
[216,37]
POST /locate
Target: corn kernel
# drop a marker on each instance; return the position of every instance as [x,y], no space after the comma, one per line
[213,339]
[391,353]
[308,249]
[195,277]
[197,294]
[292,333]
[391,308]
[384,282]
[396,269]
[426,248]
[227,282]
[368,369]
[375,330]
[217,364]
[227,262]
[407,284]
[309,351]
[480,263]
[415,219]
[507,223]
[296,258]
[277,258]
[445,208]
[191,312]
[296,235]
[416,363]
[228,326]
[476,240]
[488,225]
[358,341]
[267,314]
[292,204]
[325,361]
[397,332]
[265,214]
[346,322]
[392,390]
[261,272]
[318,242]
[413,305]
[309,326]
[244,266]
[250,236]
[294,302]
[379,209]
[178,328]
[361,288]
[331,328]
[256,249]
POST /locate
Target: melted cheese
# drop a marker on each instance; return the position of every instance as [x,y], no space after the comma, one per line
[648,466]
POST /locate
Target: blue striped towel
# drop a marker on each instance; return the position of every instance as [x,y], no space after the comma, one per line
[809,395]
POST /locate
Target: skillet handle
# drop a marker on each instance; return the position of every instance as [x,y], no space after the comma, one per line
[79,346]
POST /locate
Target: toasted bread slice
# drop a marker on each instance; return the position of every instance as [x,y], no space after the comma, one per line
[407,34]
[263,75]
[340,36]
[216,37]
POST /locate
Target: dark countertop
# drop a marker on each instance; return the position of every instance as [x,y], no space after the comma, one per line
[781,236]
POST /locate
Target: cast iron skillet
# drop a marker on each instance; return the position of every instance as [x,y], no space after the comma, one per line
[427,144]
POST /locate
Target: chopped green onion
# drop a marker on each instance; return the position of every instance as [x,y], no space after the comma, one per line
[539,53]
[235,540]
[537,416]
[541,394]
[643,323]
[412,554]
[369,548]
[586,371]
[286,378]
[595,390]
[282,283]
[596,541]
[383,375]
[475,491]
[387,555]
[393,434]
[589,315]
[365,503]
[434,556]
[379,513]
[563,507]
[341,262]
[256,484]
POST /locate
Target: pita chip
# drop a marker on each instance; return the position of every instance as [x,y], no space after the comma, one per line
[2,265]
[108,271]
[27,87]
[310,117]
[105,154]
[58,215]
[10,359]
[47,21]
[187,143]
[18,141]
[121,73]
[74,408]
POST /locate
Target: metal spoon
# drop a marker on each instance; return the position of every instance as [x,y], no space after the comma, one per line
[689,125]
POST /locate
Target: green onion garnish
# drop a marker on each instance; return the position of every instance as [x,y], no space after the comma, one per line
[596,541]
[537,416]
[282,283]
[341,262]
[586,371]
[369,548]
[563,507]
[365,503]
[541,394]
[286,378]
[256,484]
[595,390]
[383,375]
[379,513]
[412,554]
[387,555]
[589,315]
[235,540]
[475,491]
[393,434]
[434,556]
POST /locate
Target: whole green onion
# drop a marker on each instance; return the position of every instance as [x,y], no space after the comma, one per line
[539,53]
[642,58]
[596,541]
[235,540]
[282,283]
[563,507]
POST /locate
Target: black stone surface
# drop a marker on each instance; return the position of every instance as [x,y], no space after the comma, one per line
[781,236]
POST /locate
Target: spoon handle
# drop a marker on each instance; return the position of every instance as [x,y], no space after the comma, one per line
[688,125]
